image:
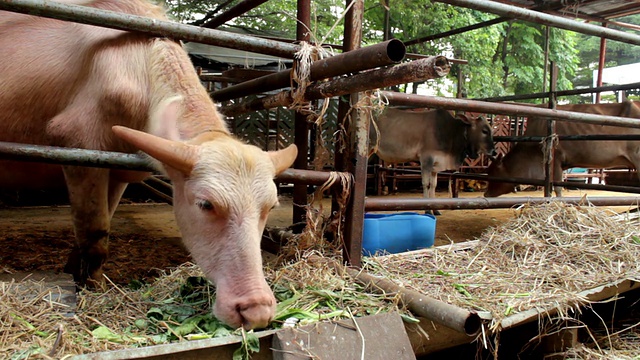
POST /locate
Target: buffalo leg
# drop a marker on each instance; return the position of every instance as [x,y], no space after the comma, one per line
[116,189]
[557,176]
[429,182]
[88,195]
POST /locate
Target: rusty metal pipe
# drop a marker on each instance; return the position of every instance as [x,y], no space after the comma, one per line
[600,137]
[586,186]
[154,27]
[357,140]
[301,128]
[396,98]
[456,31]
[384,53]
[451,316]
[71,156]
[516,12]
[396,204]
[423,69]
[538,182]
[233,12]
[117,160]
[561,92]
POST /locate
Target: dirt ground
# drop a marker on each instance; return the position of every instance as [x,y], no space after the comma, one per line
[145,238]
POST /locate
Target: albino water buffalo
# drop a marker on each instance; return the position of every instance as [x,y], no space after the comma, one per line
[436,138]
[73,85]
[526,160]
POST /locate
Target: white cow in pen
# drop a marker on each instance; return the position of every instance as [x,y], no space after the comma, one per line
[74,85]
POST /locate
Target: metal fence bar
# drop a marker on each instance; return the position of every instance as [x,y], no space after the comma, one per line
[72,156]
[601,137]
[563,92]
[429,68]
[403,204]
[396,98]
[381,54]
[117,160]
[516,12]
[539,182]
[154,27]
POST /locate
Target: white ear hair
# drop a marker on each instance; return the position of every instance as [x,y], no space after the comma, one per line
[163,120]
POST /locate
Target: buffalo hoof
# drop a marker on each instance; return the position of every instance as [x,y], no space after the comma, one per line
[86,269]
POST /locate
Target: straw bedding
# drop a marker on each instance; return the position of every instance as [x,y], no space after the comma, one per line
[542,258]
[176,307]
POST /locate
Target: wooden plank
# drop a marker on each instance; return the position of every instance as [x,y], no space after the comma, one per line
[380,336]
[427,337]
[216,348]
[596,294]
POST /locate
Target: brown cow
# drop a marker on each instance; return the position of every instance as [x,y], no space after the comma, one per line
[436,138]
[68,84]
[526,159]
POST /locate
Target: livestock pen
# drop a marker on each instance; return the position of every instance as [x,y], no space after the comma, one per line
[351,182]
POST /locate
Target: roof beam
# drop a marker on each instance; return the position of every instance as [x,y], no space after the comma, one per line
[546,19]
[235,11]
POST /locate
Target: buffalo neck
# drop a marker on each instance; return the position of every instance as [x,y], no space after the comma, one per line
[171,73]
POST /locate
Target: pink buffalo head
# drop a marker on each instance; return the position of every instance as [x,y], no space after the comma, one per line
[223,192]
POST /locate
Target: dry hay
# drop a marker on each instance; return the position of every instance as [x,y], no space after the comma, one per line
[609,339]
[624,347]
[176,307]
[541,259]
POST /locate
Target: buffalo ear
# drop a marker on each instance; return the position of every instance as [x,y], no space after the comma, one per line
[283,159]
[464,118]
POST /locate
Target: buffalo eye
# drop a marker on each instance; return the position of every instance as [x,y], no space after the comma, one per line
[204,204]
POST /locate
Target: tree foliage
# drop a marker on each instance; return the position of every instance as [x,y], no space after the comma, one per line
[503,59]
[617,53]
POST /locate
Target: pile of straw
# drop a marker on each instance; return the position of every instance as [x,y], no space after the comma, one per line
[32,325]
[619,347]
[543,258]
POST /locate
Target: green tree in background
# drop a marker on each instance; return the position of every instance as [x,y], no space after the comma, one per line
[506,58]
[617,53]
[503,59]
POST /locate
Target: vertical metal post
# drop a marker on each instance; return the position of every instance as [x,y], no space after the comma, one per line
[387,23]
[301,127]
[549,149]
[546,57]
[358,133]
[601,59]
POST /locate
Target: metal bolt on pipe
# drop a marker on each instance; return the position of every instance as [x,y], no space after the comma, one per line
[154,27]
